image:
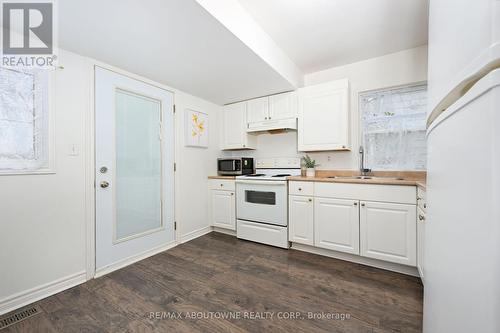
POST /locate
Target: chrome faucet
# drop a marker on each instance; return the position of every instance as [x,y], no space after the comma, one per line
[362,168]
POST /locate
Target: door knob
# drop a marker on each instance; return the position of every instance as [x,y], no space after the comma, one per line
[104,184]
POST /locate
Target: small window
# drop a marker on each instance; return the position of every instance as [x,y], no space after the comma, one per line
[393,125]
[24,126]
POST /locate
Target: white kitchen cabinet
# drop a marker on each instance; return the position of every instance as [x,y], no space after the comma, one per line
[420,242]
[223,209]
[388,232]
[283,106]
[257,109]
[301,219]
[272,113]
[323,117]
[234,128]
[336,224]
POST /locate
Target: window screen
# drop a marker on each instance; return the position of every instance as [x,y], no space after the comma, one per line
[393,125]
[23,120]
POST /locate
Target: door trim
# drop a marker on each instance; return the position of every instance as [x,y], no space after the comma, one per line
[89,157]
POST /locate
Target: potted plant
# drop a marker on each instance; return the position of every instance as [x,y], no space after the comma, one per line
[310,165]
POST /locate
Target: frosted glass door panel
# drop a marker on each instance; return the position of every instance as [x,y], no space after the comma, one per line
[138,165]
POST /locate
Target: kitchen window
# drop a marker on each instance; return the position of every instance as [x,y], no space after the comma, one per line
[393,125]
[24,123]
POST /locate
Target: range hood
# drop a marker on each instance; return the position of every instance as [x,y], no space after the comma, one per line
[273,125]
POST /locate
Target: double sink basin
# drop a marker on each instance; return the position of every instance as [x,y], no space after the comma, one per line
[366,177]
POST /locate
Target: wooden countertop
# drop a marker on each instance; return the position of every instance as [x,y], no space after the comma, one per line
[222,177]
[422,184]
[409,178]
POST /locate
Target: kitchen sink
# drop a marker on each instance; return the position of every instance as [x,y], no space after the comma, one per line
[366,177]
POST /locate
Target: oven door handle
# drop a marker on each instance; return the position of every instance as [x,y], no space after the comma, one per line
[261,182]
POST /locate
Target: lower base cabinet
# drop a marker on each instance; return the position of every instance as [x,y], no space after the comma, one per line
[420,242]
[388,232]
[336,224]
[301,219]
[373,221]
[223,209]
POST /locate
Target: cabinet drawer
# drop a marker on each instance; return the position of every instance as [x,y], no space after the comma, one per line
[370,192]
[301,188]
[222,184]
[421,199]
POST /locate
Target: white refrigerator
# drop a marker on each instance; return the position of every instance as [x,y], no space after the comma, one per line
[462,231]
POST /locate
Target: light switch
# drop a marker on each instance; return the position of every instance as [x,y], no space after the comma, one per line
[73,149]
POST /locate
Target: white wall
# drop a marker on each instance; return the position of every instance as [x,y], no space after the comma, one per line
[43,217]
[194,165]
[405,67]
[42,227]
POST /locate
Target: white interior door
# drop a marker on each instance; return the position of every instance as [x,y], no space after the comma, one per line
[134,156]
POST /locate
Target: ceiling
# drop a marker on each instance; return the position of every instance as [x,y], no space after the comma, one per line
[174,42]
[182,44]
[319,34]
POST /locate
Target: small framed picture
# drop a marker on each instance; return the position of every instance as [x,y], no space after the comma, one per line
[196,129]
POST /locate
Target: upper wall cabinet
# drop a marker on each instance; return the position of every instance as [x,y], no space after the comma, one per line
[283,106]
[234,126]
[257,109]
[324,117]
[272,112]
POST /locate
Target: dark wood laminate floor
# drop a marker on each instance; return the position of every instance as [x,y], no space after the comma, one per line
[218,275]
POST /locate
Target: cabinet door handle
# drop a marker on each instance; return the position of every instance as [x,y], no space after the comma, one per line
[232,193]
[310,200]
[355,204]
[421,217]
[363,204]
[300,189]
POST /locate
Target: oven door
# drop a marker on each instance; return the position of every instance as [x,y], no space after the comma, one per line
[262,201]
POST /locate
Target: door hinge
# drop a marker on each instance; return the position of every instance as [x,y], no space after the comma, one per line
[175,225]
[175,167]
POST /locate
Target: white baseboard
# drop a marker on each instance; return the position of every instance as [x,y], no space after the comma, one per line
[195,234]
[403,269]
[224,231]
[35,294]
[132,259]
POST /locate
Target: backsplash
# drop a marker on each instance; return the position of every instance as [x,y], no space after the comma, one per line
[285,145]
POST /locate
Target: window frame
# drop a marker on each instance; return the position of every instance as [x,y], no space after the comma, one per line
[360,117]
[49,135]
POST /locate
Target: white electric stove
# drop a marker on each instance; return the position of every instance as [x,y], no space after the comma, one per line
[262,201]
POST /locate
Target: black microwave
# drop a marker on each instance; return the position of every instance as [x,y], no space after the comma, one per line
[235,166]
